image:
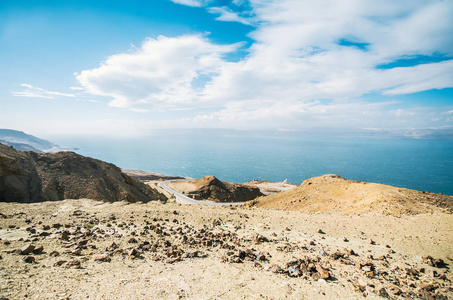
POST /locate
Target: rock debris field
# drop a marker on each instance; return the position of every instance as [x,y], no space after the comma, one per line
[85,249]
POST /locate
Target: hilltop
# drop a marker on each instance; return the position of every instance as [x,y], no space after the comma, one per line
[212,189]
[332,193]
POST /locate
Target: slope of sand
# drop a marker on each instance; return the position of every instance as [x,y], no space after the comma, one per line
[158,271]
[267,187]
[336,194]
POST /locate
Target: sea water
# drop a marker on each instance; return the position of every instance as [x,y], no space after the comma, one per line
[240,157]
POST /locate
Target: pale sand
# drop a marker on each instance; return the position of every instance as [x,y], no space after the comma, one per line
[411,237]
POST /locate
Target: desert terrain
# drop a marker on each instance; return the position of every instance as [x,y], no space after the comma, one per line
[107,235]
[122,250]
[333,193]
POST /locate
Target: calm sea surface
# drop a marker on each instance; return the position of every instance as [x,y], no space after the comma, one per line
[417,164]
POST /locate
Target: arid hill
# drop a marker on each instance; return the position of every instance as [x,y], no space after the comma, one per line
[336,194]
[34,177]
[19,179]
[212,189]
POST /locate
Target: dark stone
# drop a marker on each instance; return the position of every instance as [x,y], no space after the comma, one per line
[38,250]
[132,241]
[28,259]
[27,249]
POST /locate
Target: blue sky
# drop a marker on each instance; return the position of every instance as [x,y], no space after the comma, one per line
[125,68]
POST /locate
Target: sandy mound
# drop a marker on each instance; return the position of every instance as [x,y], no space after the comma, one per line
[336,194]
[267,187]
[212,189]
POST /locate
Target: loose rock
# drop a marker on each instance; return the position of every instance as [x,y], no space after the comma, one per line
[27,249]
[105,257]
[28,259]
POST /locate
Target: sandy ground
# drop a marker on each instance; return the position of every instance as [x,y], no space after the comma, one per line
[93,226]
[268,188]
[182,186]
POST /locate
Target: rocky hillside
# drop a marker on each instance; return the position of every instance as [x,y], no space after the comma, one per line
[33,177]
[19,179]
[212,189]
[336,194]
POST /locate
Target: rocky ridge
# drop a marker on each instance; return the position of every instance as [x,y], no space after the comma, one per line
[33,177]
[19,179]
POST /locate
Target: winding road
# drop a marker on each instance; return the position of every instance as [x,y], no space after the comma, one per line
[180,198]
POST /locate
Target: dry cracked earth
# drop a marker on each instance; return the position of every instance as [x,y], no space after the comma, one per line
[84,249]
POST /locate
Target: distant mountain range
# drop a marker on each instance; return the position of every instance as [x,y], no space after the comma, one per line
[27,142]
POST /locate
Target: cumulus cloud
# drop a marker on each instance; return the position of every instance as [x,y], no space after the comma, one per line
[162,73]
[304,53]
[36,92]
[297,52]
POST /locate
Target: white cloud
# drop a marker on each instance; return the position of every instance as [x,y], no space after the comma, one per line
[35,92]
[226,14]
[163,73]
[303,51]
[76,88]
[194,3]
[296,54]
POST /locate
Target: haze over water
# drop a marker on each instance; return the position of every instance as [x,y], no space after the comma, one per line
[240,157]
